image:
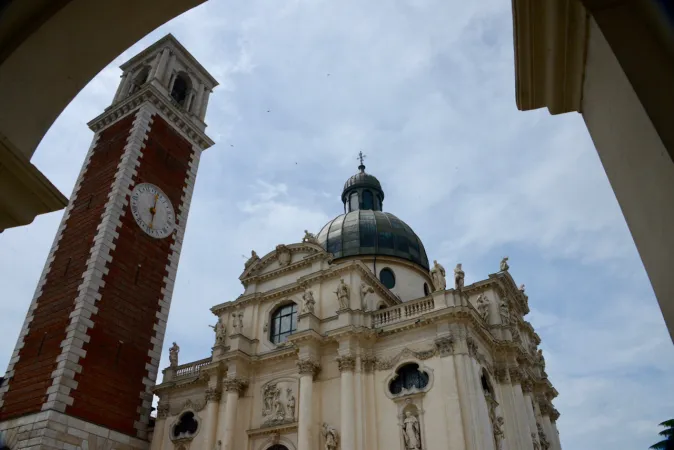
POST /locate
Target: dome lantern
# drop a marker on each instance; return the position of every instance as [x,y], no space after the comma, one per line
[362,191]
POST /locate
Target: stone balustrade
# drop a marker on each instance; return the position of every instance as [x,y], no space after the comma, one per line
[402,312]
[191,369]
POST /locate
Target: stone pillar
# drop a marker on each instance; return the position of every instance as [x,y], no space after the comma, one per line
[555,434]
[347,365]
[512,414]
[234,387]
[204,105]
[154,66]
[523,422]
[308,369]
[471,428]
[168,72]
[453,416]
[367,365]
[161,65]
[211,421]
[196,107]
[159,426]
[123,87]
[189,101]
[528,405]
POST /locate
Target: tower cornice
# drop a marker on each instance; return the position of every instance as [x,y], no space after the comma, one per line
[151,94]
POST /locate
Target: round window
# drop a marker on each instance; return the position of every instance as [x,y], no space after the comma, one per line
[387,278]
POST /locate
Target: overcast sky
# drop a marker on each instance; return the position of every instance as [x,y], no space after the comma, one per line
[426,89]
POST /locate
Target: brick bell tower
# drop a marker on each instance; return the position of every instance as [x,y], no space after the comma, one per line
[87,357]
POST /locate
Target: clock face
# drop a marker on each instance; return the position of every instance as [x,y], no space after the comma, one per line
[152,210]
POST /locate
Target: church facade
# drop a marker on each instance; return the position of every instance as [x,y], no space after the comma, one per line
[345,340]
[350,339]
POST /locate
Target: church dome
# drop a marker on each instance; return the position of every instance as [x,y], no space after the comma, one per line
[370,233]
[364,229]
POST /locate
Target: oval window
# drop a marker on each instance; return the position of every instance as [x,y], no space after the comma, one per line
[387,278]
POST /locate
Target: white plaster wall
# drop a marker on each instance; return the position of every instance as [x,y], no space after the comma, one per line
[637,164]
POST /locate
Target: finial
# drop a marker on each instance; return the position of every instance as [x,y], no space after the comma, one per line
[361,157]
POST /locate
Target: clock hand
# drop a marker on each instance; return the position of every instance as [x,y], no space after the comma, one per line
[153,210]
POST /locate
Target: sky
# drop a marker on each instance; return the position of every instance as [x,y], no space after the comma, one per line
[425,88]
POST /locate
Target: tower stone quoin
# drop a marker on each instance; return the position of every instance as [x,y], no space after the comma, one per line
[87,356]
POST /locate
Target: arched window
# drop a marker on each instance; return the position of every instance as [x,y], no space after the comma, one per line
[283,323]
[408,377]
[353,202]
[187,426]
[387,278]
[140,79]
[278,447]
[181,87]
[427,291]
[486,384]
[368,200]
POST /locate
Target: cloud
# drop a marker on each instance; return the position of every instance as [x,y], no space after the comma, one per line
[425,88]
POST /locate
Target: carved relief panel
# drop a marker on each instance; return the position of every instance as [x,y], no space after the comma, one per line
[278,402]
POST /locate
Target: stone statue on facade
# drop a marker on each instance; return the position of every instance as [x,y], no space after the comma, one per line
[219,329]
[309,237]
[438,276]
[540,359]
[309,303]
[498,432]
[268,395]
[290,403]
[483,307]
[364,290]
[331,437]
[240,322]
[504,264]
[459,275]
[279,410]
[505,312]
[411,432]
[253,258]
[343,294]
[173,355]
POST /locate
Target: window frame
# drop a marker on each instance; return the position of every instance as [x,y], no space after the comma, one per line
[277,312]
[387,270]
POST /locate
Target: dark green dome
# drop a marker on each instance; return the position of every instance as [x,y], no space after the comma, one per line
[369,232]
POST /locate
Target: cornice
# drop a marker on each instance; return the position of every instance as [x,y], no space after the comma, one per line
[299,285]
[150,94]
[251,274]
[278,429]
[169,41]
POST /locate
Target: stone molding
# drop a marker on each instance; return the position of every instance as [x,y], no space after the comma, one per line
[150,94]
[237,385]
[308,367]
[346,363]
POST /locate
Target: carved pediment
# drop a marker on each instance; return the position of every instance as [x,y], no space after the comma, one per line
[283,258]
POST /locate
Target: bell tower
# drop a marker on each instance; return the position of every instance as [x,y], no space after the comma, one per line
[87,357]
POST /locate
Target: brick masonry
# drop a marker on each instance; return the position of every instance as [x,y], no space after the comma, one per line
[29,372]
[103,300]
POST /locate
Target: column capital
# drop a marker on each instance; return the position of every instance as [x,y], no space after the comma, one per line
[308,366]
[162,410]
[517,376]
[213,395]
[346,363]
[501,374]
[527,386]
[237,385]
[368,363]
[445,346]
[554,414]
